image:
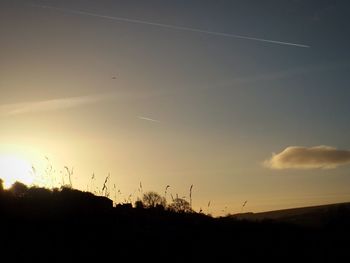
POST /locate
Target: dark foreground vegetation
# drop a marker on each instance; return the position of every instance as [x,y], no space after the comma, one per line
[67,225]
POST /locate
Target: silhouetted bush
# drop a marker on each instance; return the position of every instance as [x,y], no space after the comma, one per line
[1,186]
[127,206]
[139,204]
[180,205]
[39,193]
[18,189]
[152,200]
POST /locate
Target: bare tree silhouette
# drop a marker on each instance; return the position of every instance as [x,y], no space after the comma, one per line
[152,199]
[180,205]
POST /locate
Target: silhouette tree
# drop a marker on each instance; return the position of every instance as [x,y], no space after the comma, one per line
[152,199]
[19,189]
[180,205]
[1,185]
[139,204]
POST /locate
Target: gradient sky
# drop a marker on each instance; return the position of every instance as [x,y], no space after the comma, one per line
[168,106]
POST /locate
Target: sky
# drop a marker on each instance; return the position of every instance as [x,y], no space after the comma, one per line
[246,100]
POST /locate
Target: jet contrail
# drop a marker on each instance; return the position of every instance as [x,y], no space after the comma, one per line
[182,28]
[147,119]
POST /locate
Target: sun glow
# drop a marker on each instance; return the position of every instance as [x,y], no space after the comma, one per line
[13,168]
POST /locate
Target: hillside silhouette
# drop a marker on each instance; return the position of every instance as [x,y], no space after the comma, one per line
[312,216]
[68,225]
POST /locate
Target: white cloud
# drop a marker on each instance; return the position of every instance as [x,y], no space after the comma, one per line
[297,157]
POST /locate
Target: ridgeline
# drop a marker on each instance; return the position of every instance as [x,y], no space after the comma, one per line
[68,225]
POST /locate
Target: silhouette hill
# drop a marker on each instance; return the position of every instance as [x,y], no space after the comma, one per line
[312,216]
[68,225]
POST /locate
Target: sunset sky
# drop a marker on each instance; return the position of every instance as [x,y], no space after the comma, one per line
[246,100]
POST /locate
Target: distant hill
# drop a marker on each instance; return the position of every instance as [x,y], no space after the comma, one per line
[311,216]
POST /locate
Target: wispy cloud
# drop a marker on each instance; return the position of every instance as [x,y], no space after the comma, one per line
[50,105]
[173,27]
[292,72]
[297,157]
[147,119]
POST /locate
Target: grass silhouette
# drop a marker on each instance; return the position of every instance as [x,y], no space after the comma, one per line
[68,225]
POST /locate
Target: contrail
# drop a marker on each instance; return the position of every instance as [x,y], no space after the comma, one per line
[50,105]
[182,28]
[147,119]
